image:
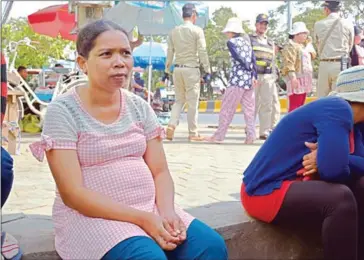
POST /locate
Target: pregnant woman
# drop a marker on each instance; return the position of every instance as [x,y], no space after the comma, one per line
[115,195]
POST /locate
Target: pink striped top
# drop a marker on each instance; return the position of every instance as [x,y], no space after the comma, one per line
[111,159]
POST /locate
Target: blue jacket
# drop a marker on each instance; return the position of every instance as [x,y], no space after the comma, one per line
[327,121]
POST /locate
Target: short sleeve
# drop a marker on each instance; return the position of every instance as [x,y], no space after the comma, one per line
[152,127]
[59,131]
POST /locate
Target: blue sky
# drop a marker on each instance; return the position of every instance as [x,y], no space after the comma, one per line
[247,10]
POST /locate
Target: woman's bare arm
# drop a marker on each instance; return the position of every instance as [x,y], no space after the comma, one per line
[155,158]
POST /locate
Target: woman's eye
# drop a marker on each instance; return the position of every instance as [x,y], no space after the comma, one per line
[106,53]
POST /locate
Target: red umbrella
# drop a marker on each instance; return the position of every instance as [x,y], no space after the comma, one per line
[53,21]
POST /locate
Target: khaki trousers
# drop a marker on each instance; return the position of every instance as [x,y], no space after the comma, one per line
[327,75]
[265,93]
[276,113]
[187,90]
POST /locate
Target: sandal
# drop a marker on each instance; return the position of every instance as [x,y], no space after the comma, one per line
[249,140]
[170,132]
[10,247]
[213,140]
[196,138]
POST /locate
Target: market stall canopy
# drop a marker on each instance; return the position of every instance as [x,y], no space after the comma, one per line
[153,17]
[150,54]
[54,21]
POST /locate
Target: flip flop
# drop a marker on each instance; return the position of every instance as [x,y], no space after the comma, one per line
[10,247]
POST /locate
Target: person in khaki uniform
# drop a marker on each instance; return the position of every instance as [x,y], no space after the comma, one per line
[266,92]
[187,44]
[334,37]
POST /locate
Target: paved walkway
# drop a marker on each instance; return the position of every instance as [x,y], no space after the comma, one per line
[203,173]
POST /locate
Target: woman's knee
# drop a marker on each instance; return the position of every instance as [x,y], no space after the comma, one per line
[343,200]
[7,175]
[136,248]
[215,248]
[211,245]
[6,165]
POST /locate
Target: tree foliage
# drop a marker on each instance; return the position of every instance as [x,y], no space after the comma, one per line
[46,47]
[311,12]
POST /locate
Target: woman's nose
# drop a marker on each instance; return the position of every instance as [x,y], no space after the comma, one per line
[119,61]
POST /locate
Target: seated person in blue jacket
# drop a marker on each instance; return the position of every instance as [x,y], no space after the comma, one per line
[311,170]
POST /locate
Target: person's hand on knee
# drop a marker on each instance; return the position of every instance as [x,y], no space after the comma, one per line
[154,226]
[175,226]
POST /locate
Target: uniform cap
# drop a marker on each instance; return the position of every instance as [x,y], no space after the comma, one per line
[262,18]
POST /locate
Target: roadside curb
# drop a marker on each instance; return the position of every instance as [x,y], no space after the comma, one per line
[214,106]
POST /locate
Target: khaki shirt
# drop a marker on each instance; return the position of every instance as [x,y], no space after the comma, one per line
[341,39]
[292,58]
[187,44]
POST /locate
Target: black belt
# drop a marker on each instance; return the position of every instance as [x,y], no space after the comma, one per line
[331,60]
[185,66]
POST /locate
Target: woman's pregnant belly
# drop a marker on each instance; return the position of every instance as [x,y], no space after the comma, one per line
[127,181]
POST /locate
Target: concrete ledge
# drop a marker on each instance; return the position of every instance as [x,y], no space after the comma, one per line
[34,233]
[214,106]
[246,238]
[249,239]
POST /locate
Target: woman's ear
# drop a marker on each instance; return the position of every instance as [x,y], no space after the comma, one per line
[81,61]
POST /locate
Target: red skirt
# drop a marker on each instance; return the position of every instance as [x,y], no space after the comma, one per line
[266,207]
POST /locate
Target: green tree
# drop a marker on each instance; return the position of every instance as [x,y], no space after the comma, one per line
[311,12]
[46,47]
[355,8]
[156,75]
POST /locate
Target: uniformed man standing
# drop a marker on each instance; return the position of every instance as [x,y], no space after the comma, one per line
[266,91]
[187,44]
[334,37]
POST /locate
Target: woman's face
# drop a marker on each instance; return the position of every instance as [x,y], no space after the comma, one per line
[229,35]
[110,62]
[301,37]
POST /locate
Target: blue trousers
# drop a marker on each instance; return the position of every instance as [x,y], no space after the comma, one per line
[7,176]
[202,243]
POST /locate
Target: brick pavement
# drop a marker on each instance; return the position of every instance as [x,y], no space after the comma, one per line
[203,173]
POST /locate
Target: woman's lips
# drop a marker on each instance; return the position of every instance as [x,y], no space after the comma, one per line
[119,77]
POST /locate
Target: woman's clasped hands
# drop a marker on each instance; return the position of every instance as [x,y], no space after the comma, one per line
[167,230]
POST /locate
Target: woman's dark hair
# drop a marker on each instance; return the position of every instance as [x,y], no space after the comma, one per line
[88,34]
